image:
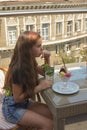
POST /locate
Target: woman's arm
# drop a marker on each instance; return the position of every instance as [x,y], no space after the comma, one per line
[40,70]
[46,56]
[18,93]
[44,84]
[20,96]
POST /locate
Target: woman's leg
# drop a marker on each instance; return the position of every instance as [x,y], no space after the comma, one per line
[41,108]
[38,116]
[35,120]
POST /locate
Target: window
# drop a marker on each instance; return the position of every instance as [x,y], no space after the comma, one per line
[86,39]
[68,48]
[69,28]
[86,24]
[78,25]
[59,28]
[78,45]
[57,48]
[60,47]
[45,28]
[30,28]
[12,33]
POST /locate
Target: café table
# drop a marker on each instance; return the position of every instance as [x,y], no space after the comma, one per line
[66,108]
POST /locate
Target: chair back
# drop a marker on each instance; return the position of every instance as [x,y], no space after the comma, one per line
[4,124]
[2,79]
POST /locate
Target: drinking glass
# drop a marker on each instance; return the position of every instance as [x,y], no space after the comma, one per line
[65,81]
[49,75]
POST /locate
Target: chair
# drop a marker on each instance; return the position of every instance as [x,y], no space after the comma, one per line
[4,125]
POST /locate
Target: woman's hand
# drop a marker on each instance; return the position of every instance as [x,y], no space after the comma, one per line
[46,55]
[44,84]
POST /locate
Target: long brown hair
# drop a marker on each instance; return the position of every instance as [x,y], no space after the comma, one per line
[24,61]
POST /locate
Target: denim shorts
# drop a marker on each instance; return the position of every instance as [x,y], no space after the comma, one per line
[12,111]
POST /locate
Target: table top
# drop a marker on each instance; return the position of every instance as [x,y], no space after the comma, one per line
[67,105]
[61,99]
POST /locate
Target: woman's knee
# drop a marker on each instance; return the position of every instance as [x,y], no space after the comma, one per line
[48,125]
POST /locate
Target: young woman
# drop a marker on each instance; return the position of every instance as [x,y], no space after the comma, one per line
[22,84]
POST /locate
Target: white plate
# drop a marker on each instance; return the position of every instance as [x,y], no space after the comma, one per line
[71,89]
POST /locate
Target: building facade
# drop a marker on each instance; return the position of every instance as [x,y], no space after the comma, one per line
[62,25]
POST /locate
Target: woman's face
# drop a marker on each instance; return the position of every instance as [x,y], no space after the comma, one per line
[37,48]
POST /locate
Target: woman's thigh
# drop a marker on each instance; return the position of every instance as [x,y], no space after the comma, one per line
[33,119]
[41,108]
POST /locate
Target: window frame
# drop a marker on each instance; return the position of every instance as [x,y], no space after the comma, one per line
[58,28]
[70,28]
[12,35]
[45,31]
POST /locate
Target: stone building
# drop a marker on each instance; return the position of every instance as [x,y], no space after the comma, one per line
[61,23]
